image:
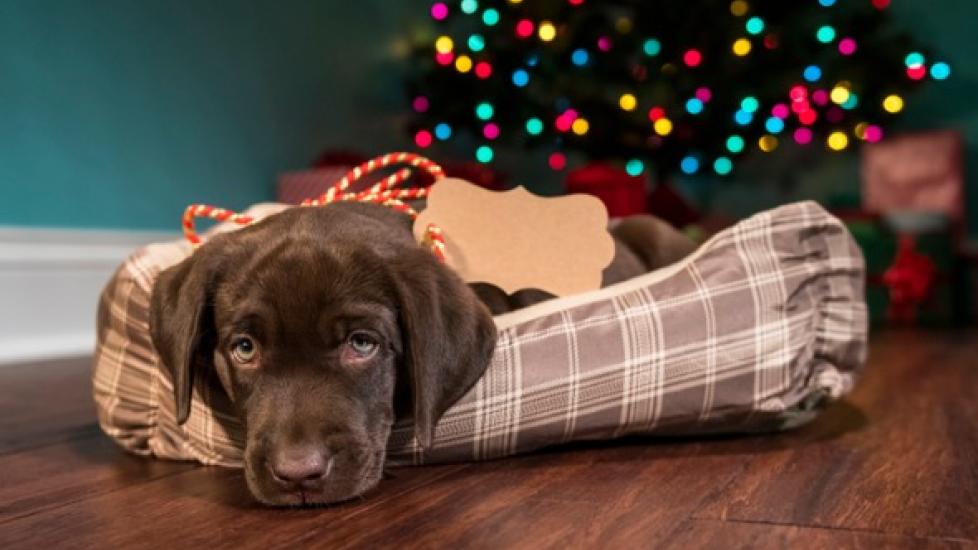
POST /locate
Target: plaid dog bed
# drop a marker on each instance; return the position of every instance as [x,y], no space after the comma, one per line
[755,331]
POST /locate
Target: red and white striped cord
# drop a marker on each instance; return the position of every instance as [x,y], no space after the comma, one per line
[386,192]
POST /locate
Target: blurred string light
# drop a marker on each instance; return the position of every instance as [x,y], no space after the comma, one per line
[422,138]
[580,126]
[439,11]
[547,31]
[851,102]
[802,136]
[655,113]
[483,70]
[812,73]
[627,102]
[774,125]
[534,126]
[735,144]
[651,47]
[469,6]
[750,104]
[477,43]
[490,131]
[444,58]
[913,58]
[917,72]
[893,104]
[521,78]
[703,94]
[722,166]
[634,167]
[420,104]
[837,141]
[484,110]
[463,64]
[839,95]
[490,17]
[557,160]
[689,164]
[524,28]
[827,3]
[484,154]
[940,70]
[742,117]
[663,126]
[623,25]
[825,34]
[692,58]
[767,143]
[444,44]
[739,8]
[694,106]
[579,57]
[755,25]
[443,131]
[847,46]
[604,44]
[741,47]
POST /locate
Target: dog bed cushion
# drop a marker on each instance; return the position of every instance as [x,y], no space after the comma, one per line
[757,330]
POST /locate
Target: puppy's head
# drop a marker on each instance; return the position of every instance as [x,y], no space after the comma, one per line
[323,325]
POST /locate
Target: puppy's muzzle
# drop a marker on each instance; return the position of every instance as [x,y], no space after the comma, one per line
[303,469]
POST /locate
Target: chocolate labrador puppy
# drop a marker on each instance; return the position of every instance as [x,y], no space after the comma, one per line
[326,324]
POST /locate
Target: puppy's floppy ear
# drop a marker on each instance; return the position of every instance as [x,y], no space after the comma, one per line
[448,336]
[180,319]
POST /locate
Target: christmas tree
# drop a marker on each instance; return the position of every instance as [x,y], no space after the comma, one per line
[662,85]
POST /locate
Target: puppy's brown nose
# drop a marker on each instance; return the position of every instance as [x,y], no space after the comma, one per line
[305,468]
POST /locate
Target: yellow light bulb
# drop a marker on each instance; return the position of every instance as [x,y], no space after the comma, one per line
[767,143]
[627,102]
[463,63]
[839,95]
[893,104]
[741,47]
[739,8]
[663,126]
[837,141]
[444,44]
[580,126]
[547,31]
[860,130]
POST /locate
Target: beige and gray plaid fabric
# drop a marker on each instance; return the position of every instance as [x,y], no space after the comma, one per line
[756,331]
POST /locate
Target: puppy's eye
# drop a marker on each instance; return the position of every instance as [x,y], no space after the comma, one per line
[363,344]
[244,350]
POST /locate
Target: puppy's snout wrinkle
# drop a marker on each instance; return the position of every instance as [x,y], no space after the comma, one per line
[301,468]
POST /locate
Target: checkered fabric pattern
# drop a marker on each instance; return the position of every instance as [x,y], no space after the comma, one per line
[756,331]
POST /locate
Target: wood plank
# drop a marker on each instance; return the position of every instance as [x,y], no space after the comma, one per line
[196,507]
[43,403]
[907,465]
[760,536]
[607,496]
[60,474]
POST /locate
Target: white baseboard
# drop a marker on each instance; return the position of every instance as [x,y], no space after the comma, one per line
[50,281]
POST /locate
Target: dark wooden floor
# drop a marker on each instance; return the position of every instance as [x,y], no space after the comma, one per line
[895,465]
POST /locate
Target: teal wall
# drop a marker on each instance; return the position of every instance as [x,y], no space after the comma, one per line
[118,113]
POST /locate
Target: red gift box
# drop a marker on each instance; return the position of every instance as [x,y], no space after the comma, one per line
[622,194]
